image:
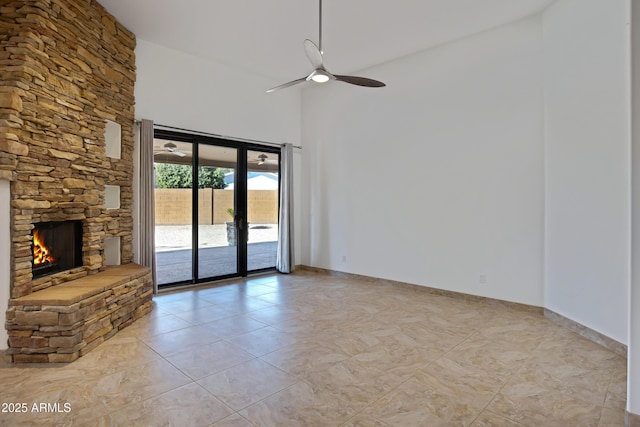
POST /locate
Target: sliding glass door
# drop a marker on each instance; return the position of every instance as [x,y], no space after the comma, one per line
[263,180]
[216,208]
[173,210]
[216,231]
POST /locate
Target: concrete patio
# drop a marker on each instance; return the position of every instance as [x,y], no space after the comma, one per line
[216,258]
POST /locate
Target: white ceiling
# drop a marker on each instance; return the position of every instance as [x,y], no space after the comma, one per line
[265,36]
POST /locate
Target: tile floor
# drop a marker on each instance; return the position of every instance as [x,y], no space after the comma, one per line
[314,350]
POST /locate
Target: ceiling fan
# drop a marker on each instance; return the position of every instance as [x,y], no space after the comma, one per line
[170,148]
[262,159]
[319,73]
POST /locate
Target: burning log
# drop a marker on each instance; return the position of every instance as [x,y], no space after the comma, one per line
[41,254]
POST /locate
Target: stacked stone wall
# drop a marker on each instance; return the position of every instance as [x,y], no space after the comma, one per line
[67,67]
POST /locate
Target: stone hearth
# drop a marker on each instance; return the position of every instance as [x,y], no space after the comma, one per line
[62,323]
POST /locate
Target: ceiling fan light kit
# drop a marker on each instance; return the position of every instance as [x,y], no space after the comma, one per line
[263,159]
[170,148]
[319,73]
[319,76]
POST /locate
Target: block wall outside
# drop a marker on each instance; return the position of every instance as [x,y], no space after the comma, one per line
[222,201]
[263,206]
[173,206]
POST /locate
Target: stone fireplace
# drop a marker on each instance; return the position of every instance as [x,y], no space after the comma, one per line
[66,146]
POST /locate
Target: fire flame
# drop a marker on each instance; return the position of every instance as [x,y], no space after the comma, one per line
[41,254]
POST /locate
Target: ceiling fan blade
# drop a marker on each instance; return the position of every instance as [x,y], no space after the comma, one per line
[172,150]
[313,53]
[291,83]
[359,81]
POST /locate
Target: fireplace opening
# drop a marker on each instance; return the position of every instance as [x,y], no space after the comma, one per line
[57,246]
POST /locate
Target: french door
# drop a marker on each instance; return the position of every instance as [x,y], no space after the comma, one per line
[216,208]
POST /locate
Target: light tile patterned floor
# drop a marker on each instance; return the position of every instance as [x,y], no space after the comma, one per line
[313,350]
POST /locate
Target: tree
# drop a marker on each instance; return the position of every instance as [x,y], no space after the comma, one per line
[180,176]
[173,176]
[211,177]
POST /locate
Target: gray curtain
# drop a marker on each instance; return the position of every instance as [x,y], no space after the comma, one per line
[147,200]
[285,262]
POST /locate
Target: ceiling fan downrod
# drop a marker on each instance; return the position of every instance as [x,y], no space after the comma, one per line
[320,28]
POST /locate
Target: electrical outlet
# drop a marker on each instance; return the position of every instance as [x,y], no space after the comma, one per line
[344,258]
[483,279]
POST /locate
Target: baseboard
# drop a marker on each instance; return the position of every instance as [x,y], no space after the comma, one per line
[609,343]
[580,329]
[426,289]
[631,420]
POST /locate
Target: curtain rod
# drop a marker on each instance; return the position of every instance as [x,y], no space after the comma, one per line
[215,135]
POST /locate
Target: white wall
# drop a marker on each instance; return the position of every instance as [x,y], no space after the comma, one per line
[437,178]
[587,172]
[181,90]
[5,255]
